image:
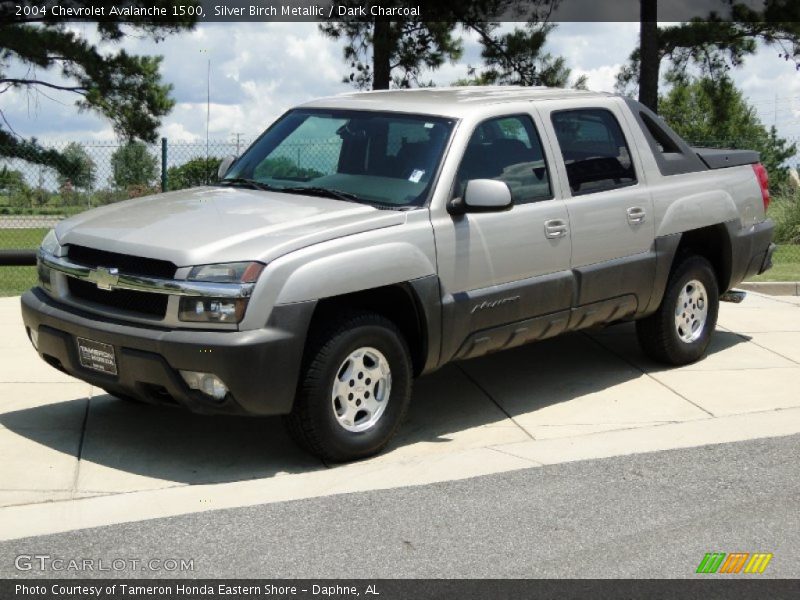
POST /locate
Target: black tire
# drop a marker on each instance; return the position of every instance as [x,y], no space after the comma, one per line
[313,423]
[658,334]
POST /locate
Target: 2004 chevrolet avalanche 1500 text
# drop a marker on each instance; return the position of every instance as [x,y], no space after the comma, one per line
[369,238]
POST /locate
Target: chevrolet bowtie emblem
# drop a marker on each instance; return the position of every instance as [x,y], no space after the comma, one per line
[105,278]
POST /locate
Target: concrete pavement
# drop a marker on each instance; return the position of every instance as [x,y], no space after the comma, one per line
[640,516]
[76,458]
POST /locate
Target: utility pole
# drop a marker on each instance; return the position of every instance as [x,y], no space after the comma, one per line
[208,105]
[208,112]
[238,136]
[40,189]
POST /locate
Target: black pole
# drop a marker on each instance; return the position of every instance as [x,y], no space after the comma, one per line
[17,258]
[649,60]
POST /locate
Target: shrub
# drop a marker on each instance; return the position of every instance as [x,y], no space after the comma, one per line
[785,211]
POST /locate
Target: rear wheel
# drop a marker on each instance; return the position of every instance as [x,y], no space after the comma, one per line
[679,332]
[355,388]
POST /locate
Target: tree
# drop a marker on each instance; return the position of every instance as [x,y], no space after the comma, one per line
[133,165]
[197,171]
[714,113]
[83,175]
[383,52]
[50,55]
[517,58]
[712,45]
[283,167]
[11,180]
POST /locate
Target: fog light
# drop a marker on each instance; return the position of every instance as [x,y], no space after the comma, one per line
[34,333]
[207,383]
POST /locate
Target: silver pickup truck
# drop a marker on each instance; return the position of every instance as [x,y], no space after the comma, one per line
[367,239]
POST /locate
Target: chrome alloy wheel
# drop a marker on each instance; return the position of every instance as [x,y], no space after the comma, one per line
[361,389]
[691,311]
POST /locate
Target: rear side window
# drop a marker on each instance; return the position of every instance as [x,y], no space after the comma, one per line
[664,143]
[595,152]
[507,149]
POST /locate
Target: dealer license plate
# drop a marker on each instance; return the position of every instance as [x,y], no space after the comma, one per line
[97,356]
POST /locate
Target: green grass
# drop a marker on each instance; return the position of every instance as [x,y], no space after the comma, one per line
[785,265]
[21,238]
[15,280]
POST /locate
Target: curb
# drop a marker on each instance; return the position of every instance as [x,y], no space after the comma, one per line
[772,288]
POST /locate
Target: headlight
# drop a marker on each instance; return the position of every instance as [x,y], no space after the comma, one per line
[238,272]
[212,310]
[219,310]
[50,244]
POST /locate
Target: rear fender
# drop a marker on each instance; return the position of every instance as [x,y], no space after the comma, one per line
[698,210]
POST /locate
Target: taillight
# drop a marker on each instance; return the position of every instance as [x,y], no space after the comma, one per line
[763,182]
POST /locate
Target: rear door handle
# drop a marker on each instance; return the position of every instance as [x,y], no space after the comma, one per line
[555,228]
[636,215]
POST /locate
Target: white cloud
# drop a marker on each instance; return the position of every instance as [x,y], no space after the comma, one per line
[600,79]
[772,85]
[258,70]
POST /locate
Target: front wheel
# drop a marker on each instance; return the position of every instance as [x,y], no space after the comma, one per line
[355,388]
[679,332]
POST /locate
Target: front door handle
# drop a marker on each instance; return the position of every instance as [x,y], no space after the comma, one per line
[555,228]
[636,215]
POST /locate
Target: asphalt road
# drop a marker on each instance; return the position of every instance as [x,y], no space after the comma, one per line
[648,515]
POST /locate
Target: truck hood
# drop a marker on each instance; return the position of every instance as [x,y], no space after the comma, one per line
[220,224]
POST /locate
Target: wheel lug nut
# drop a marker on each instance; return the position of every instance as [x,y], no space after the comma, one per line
[352,383]
[358,402]
[368,381]
[366,394]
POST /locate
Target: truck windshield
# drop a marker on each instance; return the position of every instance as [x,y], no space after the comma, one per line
[378,158]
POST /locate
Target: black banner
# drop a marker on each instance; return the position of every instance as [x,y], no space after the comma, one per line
[399,589]
[369,10]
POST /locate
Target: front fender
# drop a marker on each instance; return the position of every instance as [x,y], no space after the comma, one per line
[355,270]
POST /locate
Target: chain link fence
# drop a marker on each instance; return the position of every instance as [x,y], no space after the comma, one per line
[33,198]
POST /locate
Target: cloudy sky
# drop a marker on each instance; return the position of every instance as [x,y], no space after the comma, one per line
[260,69]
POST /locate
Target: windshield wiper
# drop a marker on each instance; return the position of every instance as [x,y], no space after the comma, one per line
[311,191]
[256,185]
[326,192]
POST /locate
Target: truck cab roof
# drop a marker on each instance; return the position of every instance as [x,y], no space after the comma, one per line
[447,102]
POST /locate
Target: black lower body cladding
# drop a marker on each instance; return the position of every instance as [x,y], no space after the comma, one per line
[260,367]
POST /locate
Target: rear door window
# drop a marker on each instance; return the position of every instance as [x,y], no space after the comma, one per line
[594,149]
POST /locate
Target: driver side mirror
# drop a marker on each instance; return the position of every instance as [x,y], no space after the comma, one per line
[224,166]
[482,195]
